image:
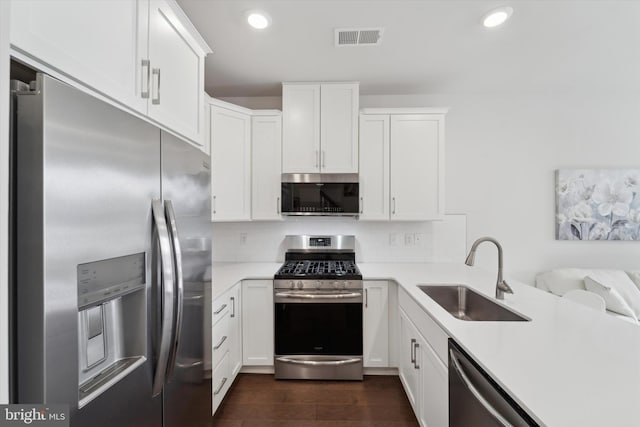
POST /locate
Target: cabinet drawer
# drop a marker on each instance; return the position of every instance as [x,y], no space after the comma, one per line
[221,381]
[221,338]
[435,336]
[220,308]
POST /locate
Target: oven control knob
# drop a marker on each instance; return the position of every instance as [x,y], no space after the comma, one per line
[336,284]
[292,284]
[344,284]
[300,285]
[318,284]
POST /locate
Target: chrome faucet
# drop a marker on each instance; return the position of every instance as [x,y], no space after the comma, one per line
[501,284]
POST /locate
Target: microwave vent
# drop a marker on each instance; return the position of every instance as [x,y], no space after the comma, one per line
[358,36]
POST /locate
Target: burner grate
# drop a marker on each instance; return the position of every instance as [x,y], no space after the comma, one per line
[316,268]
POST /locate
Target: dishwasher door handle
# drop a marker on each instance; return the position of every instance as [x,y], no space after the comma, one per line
[479,397]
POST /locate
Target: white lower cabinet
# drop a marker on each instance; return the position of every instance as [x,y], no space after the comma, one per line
[226,342]
[376,324]
[423,374]
[257,322]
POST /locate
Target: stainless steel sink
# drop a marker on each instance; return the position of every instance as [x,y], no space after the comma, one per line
[466,304]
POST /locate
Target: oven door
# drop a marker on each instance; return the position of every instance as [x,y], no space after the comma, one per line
[318,335]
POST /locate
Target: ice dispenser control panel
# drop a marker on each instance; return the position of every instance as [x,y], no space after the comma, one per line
[103,280]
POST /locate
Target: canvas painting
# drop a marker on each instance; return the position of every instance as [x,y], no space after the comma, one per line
[598,204]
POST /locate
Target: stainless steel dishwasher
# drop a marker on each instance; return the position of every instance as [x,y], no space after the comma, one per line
[475,399]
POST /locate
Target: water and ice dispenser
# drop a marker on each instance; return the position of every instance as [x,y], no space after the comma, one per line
[112,322]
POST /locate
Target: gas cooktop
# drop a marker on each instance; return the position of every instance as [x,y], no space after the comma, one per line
[319,269]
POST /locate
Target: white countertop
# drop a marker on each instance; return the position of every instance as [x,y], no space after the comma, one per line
[569,366]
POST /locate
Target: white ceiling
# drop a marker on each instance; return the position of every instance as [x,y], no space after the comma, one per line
[428,46]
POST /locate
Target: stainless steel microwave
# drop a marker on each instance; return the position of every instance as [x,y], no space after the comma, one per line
[320,194]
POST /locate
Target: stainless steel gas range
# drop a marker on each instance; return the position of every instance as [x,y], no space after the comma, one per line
[318,310]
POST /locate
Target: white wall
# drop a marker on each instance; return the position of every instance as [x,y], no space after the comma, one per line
[501,153]
[442,241]
[4,197]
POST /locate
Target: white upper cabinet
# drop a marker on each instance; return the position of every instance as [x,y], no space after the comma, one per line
[176,73]
[230,163]
[416,167]
[374,167]
[320,127]
[402,164]
[301,128]
[339,127]
[99,43]
[266,165]
[143,54]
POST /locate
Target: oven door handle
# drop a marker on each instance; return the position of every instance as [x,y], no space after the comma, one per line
[318,296]
[318,362]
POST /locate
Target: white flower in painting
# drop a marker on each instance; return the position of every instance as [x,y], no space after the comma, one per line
[581,212]
[600,231]
[612,198]
[632,182]
[561,218]
[634,215]
[563,188]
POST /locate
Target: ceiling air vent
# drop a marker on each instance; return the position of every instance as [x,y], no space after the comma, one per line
[358,36]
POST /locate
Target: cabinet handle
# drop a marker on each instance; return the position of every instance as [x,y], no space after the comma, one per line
[156,99]
[217,346]
[144,79]
[361,206]
[323,156]
[218,311]
[413,355]
[278,205]
[233,307]
[317,159]
[214,204]
[416,346]
[366,298]
[219,389]
[393,210]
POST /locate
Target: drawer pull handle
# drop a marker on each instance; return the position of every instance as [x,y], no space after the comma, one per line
[218,311]
[219,389]
[224,338]
[413,354]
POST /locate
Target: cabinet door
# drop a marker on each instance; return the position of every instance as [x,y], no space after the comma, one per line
[374,167]
[99,43]
[409,374]
[435,388]
[177,74]
[235,330]
[339,127]
[257,322]
[300,128]
[230,165]
[416,167]
[376,324]
[266,166]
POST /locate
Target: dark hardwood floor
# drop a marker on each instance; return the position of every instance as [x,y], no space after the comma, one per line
[261,401]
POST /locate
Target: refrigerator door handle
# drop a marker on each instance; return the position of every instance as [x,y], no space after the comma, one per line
[164,292]
[179,285]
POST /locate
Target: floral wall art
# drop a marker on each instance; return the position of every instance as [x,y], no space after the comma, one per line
[598,204]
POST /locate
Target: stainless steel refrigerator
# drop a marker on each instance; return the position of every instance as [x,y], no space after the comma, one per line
[112,251]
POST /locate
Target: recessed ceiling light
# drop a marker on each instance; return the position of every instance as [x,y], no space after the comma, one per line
[258,19]
[497,16]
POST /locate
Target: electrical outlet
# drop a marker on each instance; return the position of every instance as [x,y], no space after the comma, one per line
[419,239]
[243,239]
[409,239]
[394,239]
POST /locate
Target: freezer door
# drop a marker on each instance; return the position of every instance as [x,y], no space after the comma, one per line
[185,190]
[86,175]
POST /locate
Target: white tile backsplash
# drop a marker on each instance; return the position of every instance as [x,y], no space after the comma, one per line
[434,241]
